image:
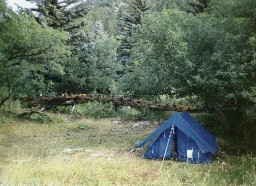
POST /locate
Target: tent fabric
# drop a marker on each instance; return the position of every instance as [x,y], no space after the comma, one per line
[193,143]
[160,148]
[157,132]
[197,127]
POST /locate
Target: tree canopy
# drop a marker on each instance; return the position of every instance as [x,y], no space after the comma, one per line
[200,49]
[26,47]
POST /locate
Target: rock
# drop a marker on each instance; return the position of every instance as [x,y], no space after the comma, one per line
[135,125]
[116,122]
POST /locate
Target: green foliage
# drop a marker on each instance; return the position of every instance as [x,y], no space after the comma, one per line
[153,115]
[128,113]
[129,23]
[25,48]
[109,20]
[32,83]
[156,56]
[208,56]
[68,16]
[91,67]
[40,118]
[44,118]
[97,110]
[55,14]
[93,70]
[29,41]
[84,127]
[107,110]
[100,59]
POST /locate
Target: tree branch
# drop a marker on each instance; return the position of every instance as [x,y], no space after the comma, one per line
[22,55]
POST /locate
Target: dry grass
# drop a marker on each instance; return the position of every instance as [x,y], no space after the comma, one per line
[94,152]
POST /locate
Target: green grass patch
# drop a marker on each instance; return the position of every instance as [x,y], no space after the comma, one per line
[89,151]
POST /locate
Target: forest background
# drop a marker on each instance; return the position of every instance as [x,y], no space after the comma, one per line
[200,51]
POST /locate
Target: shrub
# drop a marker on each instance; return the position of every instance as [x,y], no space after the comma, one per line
[96,109]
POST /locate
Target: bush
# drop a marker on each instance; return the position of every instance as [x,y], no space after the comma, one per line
[107,110]
[44,118]
[96,109]
[128,113]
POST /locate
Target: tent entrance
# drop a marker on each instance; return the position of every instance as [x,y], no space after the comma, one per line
[174,152]
[163,146]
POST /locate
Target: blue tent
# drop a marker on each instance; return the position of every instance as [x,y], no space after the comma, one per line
[181,137]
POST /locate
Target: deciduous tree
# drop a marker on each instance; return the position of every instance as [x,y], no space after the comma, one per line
[25,45]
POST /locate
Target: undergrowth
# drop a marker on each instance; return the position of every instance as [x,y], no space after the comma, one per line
[99,110]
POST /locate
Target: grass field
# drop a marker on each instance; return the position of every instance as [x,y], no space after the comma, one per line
[82,151]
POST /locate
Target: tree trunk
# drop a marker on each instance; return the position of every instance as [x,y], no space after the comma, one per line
[66,100]
[9,93]
[220,115]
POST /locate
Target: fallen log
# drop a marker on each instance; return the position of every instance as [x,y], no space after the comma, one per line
[66,100]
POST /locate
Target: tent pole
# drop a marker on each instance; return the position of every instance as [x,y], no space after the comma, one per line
[165,152]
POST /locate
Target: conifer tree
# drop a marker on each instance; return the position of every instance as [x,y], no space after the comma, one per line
[66,15]
[129,23]
[199,6]
[86,36]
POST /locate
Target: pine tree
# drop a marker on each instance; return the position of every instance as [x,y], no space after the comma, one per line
[58,14]
[199,6]
[65,15]
[68,16]
[129,23]
[86,69]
